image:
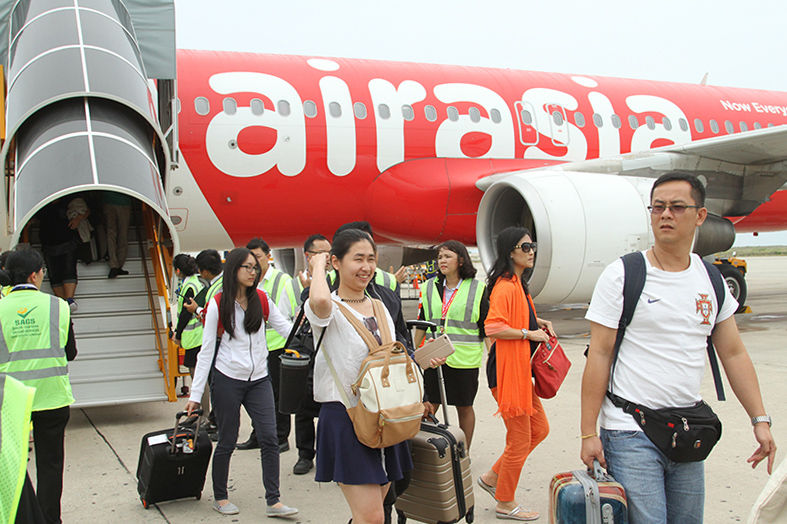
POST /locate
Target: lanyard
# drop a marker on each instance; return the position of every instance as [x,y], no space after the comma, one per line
[446,306]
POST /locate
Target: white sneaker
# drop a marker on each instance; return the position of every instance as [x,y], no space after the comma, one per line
[283,511]
[227,509]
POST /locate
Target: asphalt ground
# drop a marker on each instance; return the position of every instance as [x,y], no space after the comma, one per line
[102,444]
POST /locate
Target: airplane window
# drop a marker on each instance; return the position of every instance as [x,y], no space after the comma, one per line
[666,123]
[430,113]
[757,125]
[650,122]
[527,118]
[257,107]
[714,126]
[177,104]
[407,112]
[615,121]
[284,108]
[309,108]
[495,116]
[335,109]
[360,110]
[579,119]
[770,125]
[475,114]
[744,126]
[230,106]
[633,122]
[698,125]
[684,126]
[384,111]
[453,114]
[201,106]
[557,116]
[597,120]
[729,127]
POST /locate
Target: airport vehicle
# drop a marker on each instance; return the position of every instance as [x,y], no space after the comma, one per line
[219,147]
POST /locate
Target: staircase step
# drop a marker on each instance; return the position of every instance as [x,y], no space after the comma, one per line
[100,268]
[89,367]
[110,323]
[118,389]
[111,303]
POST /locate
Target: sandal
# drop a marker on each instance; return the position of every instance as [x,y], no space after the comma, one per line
[486,487]
[518,513]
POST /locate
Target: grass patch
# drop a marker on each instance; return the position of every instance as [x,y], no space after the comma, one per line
[756,251]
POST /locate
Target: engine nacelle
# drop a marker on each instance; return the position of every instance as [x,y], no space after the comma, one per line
[581,221]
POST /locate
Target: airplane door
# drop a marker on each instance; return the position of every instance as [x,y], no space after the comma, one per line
[558,124]
[526,117]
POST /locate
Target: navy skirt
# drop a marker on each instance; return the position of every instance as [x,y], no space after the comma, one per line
[342,458]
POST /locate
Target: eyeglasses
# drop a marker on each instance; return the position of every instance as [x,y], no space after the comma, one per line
[316,252]
[251,269]
[675,209]
[371,325]
[527,246]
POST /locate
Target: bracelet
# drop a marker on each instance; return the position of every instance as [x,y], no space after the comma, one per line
[583,437]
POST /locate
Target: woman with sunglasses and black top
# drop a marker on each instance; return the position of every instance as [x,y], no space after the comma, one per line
[364,474]
[517,330]
[240,376]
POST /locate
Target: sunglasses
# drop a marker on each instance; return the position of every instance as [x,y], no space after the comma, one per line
[675,209]
[527,246]
[371,325]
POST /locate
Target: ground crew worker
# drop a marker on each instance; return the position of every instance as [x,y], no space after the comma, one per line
[278,286]
[17,498]
[458,304]
[188,331]
[37,339]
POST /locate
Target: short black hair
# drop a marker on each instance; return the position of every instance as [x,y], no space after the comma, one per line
[258,243]
[363,225]
[19,265]
[209,260]
[697,188]
[466,268]
[186,263]
[311,240]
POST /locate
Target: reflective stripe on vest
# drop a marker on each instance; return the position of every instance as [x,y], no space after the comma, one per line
[385,279]
[297,291]
[462,331]
[278,292]
[191,337]
[213,289]
[16,402]
[24,315]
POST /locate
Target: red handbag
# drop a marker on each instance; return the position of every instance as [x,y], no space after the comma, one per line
[550,367]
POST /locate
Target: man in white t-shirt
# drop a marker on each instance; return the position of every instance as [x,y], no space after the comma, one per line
[662,360]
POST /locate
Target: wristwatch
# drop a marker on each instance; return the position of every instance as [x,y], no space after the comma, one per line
[524,333]
[761,418]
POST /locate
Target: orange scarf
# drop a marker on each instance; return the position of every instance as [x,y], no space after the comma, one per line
[508,304]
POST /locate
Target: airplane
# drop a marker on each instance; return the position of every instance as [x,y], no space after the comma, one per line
[226,146]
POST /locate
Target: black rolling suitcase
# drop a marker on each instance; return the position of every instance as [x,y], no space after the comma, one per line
[441,488]
[173,468]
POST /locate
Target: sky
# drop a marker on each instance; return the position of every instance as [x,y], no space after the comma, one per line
[738,44]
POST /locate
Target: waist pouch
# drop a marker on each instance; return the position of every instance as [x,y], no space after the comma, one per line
[682,434]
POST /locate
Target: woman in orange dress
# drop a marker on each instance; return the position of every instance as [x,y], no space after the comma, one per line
[517,331]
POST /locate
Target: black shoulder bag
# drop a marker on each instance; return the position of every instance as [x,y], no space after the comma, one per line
[682,434]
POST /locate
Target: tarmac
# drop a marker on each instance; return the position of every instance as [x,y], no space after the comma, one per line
[103,443]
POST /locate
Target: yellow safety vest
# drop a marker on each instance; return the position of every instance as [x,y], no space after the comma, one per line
[32,347]
[279,288]
[192,333]
[16,403]
[461,323]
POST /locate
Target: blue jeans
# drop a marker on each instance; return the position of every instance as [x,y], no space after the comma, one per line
[658,490]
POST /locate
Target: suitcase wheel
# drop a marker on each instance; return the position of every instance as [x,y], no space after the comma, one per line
[199,496]
[470,517]
[401,518]
[145,503]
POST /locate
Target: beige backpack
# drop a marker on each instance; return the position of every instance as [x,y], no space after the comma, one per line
[389,387]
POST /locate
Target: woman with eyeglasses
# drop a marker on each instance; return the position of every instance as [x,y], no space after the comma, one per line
[458,304]
[234,346]
[517,330]
[363,474]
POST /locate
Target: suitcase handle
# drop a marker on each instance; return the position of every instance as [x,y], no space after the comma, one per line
[178,416]
[598,472]
[422,324]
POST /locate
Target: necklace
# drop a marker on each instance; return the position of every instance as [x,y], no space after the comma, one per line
[354,300]
[657,260]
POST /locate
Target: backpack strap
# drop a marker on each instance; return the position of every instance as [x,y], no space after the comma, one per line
[718,289]
[365,334]
[634,273]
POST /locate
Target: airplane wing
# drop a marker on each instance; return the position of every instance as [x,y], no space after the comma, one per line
[741,170]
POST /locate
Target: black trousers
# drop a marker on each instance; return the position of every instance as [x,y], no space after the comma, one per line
[49,431]
[304,426]
[28,511]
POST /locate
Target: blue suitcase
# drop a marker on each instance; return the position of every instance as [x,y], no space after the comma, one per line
[584,497]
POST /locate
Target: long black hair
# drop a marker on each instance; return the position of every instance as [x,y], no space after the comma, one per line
[19,266]
[187,264]
[503,267]
[344,240]
[253,319]
[466,268]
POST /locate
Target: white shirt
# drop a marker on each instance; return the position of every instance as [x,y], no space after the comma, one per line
[243,357]
[345,348]
[662,356]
